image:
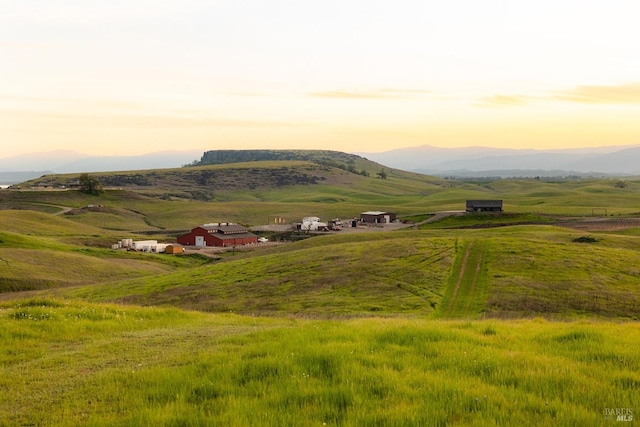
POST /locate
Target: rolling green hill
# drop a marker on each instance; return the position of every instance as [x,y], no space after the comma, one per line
[445,272]
[523,271]
[525,318]
[40,251]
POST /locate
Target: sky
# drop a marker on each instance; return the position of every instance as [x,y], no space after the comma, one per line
[127,77]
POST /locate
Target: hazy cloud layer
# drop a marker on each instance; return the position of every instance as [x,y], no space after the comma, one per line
[372,94]
[73,102]
[503,101]
[136,121]
[621,94]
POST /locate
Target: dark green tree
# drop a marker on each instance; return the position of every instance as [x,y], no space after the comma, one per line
[90,185]
[382,174]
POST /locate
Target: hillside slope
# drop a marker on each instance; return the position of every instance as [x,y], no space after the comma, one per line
[42,251]
[521,271]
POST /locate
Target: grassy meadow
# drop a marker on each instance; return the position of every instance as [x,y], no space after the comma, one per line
[504,272]
[78,363]
[469,320]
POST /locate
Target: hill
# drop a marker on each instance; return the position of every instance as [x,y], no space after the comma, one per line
[529,317]
[224,171]
[248,192]
[525,271]
[41,251]
[442,270]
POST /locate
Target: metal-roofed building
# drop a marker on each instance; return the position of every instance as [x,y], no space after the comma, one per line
[377,217]
[218,234]
[484,205]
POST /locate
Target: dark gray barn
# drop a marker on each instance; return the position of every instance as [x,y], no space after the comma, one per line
[484,205]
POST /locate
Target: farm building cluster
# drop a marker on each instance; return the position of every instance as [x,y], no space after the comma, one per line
[148,246]
[313,223]
[228,234]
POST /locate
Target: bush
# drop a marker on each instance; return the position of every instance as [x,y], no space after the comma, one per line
[585,239]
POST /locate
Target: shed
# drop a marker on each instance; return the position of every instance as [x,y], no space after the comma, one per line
[377,217]
[174,249]
[484,205]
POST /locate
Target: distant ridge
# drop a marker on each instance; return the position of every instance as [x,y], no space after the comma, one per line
[8,178]
[216,157]
[618,160]
[23,167]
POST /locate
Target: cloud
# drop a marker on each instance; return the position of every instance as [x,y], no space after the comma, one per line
[609,95]
[73,102]
[135,121]
[22,45]
[621,94]
[372,94]
[503,101]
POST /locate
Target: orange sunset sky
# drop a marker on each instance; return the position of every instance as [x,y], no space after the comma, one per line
[137,76]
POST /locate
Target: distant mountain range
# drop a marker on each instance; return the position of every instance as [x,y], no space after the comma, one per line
[24,167]
[430,160]
[500,162]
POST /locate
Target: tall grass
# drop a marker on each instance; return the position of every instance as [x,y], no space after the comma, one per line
[71,363]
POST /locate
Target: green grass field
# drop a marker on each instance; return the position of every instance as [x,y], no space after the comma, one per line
[73,363]
[470,320]
[505,272]
[467,289]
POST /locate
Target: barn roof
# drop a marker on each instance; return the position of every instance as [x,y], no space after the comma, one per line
[224,228]
[374,213]
[484,203]
[234,236]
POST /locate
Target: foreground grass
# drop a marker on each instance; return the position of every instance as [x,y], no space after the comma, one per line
[71,363]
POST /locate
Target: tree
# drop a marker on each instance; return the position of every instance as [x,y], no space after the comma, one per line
[382,174]
[90,185]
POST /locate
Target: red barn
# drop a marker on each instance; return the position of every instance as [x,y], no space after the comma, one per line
[223,234]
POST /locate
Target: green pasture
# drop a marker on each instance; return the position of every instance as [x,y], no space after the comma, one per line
[460,322]
[467,288]
[178,199]
[349,277]
[72,363]
[41,251]
[505,272]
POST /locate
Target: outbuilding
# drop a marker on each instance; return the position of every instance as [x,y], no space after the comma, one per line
[377,217]
[484,206]
[218,234]
[144,245]
[174,249]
